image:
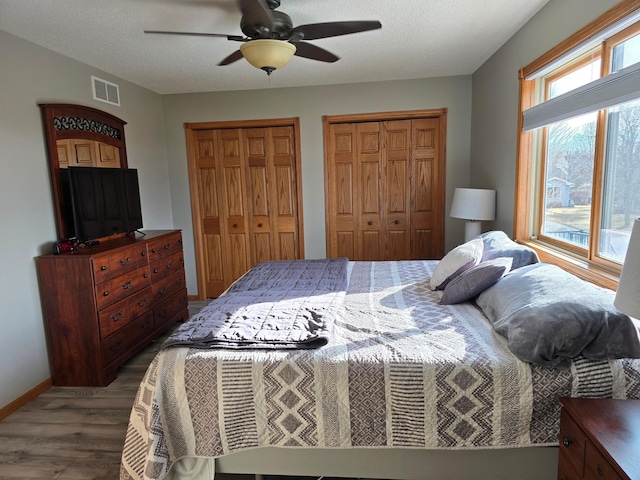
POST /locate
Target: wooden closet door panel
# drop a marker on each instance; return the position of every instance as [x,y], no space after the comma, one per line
[371,217]
[427,207]
[232,185]
[65,157]
[107,155]
[83,153]
[259,201]
[283,192]
[397,189]
[207,177]
[343,194]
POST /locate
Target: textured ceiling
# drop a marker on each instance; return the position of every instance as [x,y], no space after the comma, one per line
[418,39]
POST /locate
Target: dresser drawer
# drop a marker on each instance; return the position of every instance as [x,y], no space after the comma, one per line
[118,262]
[111,291]
[163,247]
[596,466]
[114,317]
[572,448]
[116,345]
[140,302]
[166,266]
[168,286]
[172,310]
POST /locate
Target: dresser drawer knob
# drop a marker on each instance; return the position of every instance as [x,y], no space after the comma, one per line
[103,268]
[106,294]
[166,246]
[566,441]
[155,270]
[153,250]
[126,285]
[144,254]
[118,316]
[124,262]
[169,266]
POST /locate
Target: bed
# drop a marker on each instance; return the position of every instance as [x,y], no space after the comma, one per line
[399,386]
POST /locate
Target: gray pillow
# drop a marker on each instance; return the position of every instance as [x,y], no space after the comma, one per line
[497,244]
[550,316]
[474,281]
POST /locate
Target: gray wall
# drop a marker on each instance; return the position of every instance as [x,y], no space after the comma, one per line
[31,75]
[494,121]
[310,104]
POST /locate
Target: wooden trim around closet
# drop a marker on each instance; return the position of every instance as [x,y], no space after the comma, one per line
[383,116]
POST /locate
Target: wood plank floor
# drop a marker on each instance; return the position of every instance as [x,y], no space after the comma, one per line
[72,433]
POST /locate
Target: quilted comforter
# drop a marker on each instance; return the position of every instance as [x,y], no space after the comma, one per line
[400,370]
[278,304]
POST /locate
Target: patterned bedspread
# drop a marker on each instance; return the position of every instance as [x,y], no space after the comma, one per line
[400,370]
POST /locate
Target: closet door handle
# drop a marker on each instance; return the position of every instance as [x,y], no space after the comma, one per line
[259,225]
[397,222]
[235,225]
[369,222]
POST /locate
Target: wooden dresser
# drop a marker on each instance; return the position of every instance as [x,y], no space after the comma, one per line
[599,439]
[105,303]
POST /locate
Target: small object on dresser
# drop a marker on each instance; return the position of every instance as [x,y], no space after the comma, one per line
[63,246]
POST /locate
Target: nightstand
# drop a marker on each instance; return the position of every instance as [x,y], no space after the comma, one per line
[599,439]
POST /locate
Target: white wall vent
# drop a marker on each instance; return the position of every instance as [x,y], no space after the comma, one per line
[105,91]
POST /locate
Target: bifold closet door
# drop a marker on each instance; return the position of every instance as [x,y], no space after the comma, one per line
[385,189]
[245,201]
[272,193]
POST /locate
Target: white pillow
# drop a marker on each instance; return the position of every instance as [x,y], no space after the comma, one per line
[461,258]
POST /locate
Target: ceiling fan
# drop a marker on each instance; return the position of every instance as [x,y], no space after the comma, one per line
[271,40]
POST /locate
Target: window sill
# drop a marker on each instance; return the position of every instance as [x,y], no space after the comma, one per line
[575,265]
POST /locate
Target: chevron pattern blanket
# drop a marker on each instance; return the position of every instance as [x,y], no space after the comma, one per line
[399,370]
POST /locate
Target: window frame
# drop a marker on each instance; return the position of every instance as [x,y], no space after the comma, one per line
[528,210]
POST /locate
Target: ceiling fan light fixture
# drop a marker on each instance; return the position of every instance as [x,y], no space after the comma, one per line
[268,54]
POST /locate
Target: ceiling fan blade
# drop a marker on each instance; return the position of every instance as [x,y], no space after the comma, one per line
[313,31]
[256,12]
[234,57]
[308,50]
[236,38]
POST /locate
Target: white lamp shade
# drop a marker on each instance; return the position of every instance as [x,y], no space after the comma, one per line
[268,53]
[628,294]
[474,204]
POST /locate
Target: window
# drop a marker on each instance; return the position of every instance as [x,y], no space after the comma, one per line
[579,150]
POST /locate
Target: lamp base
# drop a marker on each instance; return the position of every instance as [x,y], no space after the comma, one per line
[472,228]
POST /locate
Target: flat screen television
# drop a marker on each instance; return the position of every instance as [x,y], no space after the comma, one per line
[104,201]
